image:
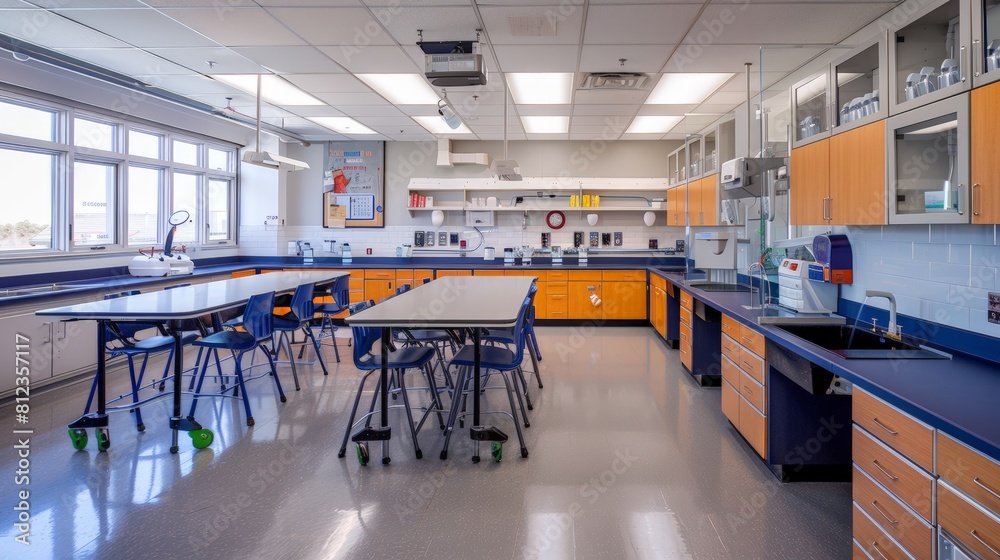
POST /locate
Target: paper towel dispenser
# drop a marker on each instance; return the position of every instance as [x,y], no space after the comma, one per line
[741,177]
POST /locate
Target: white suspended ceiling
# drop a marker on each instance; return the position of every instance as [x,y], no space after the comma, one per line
[319,45]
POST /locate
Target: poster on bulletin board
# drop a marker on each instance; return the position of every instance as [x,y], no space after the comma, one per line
[354,184]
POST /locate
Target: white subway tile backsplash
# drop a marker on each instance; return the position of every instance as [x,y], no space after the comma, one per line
[907,233]
[945,314]
[958,274]
[895,249]
[986,255]
[905,267]
[960,254]
[965,234]
[933,252]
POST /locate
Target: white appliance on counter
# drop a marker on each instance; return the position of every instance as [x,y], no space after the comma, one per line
[796,291]
[714,250]
[170,262]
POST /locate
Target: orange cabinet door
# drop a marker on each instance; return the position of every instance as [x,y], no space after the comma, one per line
[378,289]
[623,300]
[809,192]
[985,164]
[579,305]
[443,273]
[857,176]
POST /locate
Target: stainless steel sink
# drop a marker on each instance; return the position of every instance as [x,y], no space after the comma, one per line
[860,344]
[772,314]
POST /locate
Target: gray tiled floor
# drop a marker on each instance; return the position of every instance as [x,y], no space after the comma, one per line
[629,459]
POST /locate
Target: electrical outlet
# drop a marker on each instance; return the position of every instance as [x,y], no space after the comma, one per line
[443,238]
[546,239]
[429,238]
[618,239]
[418,239]
[368,251]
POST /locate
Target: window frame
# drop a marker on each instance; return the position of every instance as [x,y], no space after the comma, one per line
[67,153]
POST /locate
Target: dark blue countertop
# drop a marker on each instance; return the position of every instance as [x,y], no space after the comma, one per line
[960,396]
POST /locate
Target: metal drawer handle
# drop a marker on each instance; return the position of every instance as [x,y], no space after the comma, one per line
[875,548]
[887,518]
[747,390]
[984,543]
[884,427]
[985,487]
[975,207]
[885,472]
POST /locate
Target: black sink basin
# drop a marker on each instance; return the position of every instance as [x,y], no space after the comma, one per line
[854,343]
[720,287]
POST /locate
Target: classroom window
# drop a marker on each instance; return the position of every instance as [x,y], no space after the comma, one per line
[94,209]
[145,144]
[185,197]
[218,209]
[28,122]
[185,152]
[143,195]
[29,178]
[95,135]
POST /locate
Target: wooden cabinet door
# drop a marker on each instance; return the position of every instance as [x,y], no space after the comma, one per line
[710,200]
[443,273]
[677,206]
[623,300]
[985,163]
[579,305]
[420,274]
[731,403]
[857,176]
[694,209]
[810,183]
[540,299]
[379,289]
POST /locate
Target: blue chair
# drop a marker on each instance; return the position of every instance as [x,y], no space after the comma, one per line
[501,359]
[258,325]
[341,293]
[298,318]
[368,359]
[120,340]
[506,336]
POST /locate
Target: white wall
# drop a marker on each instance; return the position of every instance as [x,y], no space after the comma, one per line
[419,159]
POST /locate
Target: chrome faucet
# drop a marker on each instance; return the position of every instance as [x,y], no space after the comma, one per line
[893,329]
[764,284]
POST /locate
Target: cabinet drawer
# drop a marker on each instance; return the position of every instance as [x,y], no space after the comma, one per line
[904,479]
[685,351]
[555,275]
[686,301]
[731,327]
[971,525]
[443,273]
[857,553]
[753,426]
[752,340]
[490,273]
[561,288]
[730,348]
[685,334]
[380,274]
[753,392]
[902,432]
[515,272]
[873,540]
[730,402]
[753,365]
[624,276]
[970,471]
[909,530]
[585,275]
[731,372]
[658,281]
[556,303]
[686,316]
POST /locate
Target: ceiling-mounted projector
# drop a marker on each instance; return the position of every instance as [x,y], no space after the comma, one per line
[453,63]
[274,161]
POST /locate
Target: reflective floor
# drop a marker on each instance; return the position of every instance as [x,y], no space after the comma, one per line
[629,459]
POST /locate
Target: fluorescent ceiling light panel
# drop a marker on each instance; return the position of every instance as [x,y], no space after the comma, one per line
[649,124]
[436,125]
[402,89]
[686,89]
[274,90]
[342,125]
[553,88]
[545,125]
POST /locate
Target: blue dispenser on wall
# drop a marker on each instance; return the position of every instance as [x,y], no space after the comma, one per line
[834,259]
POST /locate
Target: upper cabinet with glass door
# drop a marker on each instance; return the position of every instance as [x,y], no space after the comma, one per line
[985,41]
[811,108]
[930,53]
[928,161]
[859,81]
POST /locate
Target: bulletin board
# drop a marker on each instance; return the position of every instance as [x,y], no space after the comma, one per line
[354,184]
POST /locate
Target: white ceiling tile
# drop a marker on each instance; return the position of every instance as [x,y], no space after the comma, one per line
[638,58]
[377,59]
[478,120]
[565,21]
[328,83]
[613,97]
[290,60]
[372,111]
[423,137]
[140,28]
[591,136]
[191,84]
[88,3]
[656,136]
[799,24]
[477,99]
[309,3]
[605,131]
[351,98]
[603,121]
[667,110]
[717,109]
[236,27]
[389,121]
[543,110]
[317,111]
[537,58]
[418,3]
[640,25]
[738,83]
[52,30]
[393,130]
[730,98]
[439,24]
[418,110]
[564,136]
[353,27]
[602,110]
[128,61]
[730,58]
[227,61]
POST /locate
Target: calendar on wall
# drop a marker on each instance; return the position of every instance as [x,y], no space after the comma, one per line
[354,184]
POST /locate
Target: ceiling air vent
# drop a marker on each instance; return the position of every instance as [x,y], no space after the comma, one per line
[614,80]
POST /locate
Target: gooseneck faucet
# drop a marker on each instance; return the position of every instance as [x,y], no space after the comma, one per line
[892,329]
[764,284]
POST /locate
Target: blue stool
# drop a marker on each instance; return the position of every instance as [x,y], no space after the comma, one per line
[341,293]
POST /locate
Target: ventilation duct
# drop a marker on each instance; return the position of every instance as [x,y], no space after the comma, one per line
[615,80]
